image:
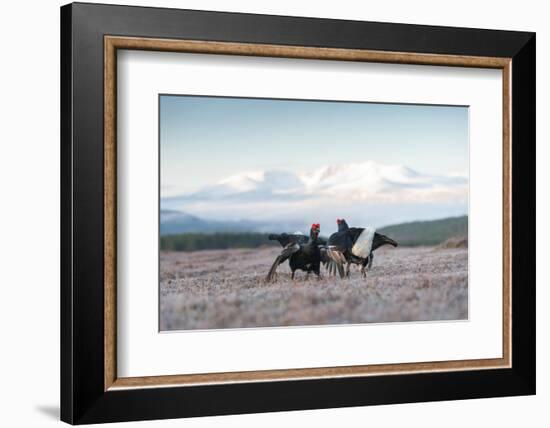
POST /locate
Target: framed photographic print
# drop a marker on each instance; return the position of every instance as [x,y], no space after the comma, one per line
[264,213]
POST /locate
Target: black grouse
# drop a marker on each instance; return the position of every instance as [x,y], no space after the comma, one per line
[355,245]
[304,256]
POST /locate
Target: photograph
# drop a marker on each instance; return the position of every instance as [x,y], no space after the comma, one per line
[288,212]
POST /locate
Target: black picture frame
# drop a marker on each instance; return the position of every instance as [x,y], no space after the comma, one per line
[83,398]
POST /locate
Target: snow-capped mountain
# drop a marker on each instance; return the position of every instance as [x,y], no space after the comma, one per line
[254,185]
[368,181]
[362,192]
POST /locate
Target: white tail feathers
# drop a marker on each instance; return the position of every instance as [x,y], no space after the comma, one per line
[363,245]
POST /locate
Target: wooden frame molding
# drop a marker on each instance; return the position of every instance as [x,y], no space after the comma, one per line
[113,43]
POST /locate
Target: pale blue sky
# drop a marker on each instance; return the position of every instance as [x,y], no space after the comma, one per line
[205,139]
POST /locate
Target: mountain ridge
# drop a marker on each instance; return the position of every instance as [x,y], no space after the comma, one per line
[359,180]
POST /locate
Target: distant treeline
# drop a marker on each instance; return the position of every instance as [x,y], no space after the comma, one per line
[406,234]
[213,241]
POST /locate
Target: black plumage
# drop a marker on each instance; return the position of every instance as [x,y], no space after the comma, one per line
[301,256]
[342,249]
[288,238]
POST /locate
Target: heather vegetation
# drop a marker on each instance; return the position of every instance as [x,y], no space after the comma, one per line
[216,289]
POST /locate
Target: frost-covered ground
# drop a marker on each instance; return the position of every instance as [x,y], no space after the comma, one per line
[226,289]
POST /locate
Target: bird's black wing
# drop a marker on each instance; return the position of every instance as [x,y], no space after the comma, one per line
[340,239]
[285,254]
[380,240]
[287,238]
